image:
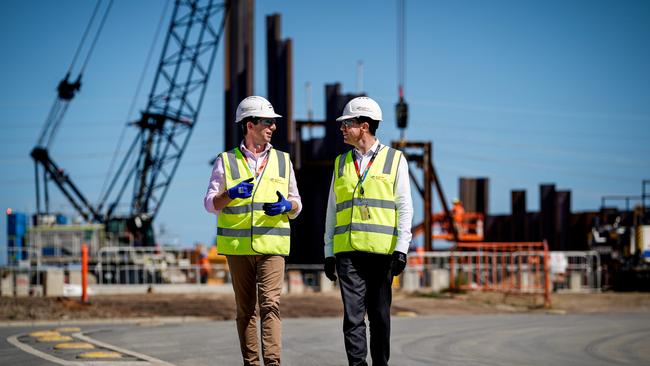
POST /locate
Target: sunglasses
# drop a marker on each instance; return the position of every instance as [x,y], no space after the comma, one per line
[348,123]
[266,122]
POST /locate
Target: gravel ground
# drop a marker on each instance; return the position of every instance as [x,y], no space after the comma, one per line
[222,306]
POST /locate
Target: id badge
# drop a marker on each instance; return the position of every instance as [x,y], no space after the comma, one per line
[365,212]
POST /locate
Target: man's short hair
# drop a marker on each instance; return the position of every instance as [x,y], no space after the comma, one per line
[244,124]
[372,124]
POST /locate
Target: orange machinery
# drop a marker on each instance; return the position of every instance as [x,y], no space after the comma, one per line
[468,224]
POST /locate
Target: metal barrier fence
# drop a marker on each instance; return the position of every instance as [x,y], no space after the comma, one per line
[58,281]
[62,243]
[582,265]
[576,271]
[22,281]
[521,268]
[429,271]
[158,274]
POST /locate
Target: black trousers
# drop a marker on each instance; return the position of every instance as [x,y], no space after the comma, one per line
[365,281]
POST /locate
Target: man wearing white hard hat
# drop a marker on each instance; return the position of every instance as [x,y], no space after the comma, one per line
[367,230]
[253,192]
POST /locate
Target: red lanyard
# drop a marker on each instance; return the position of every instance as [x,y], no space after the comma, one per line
[361,176]
[259,168]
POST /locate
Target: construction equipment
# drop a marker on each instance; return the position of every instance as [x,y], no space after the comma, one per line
[419,153]
[164,128]
[622,238]
[469,227]
[401,108]
[435,225]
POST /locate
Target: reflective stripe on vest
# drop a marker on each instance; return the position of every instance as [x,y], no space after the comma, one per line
[242,226]
[378,234]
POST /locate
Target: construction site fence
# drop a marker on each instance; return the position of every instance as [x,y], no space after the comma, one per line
[428,271]
[57,281]
[521,268]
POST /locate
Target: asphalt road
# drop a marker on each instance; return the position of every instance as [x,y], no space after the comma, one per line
[601,339]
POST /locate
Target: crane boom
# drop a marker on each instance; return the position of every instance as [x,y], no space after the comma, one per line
[164,128]
[172,110]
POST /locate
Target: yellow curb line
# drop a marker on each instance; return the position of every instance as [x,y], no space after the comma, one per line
[100,354]
[74,345]
[44,333]
[58,338]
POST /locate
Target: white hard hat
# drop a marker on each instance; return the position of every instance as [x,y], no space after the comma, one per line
[255,106]
[361,106]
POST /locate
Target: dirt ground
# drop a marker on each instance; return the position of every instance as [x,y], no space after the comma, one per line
[222,307]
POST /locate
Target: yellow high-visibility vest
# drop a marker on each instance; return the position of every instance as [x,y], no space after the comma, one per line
[242,226]
[378,233]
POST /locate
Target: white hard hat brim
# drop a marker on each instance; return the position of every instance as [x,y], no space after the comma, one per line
[344,117]
[261,115]
[270,115]
[349,116]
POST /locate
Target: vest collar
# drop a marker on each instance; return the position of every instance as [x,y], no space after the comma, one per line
[358,154]
[244,150]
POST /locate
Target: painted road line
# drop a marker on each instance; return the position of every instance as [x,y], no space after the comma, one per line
[124,357]
[74,345]
[153,361]
[100,354]
[54,338]
[44,333]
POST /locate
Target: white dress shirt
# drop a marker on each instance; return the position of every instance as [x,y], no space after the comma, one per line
[217,183]
[403,202]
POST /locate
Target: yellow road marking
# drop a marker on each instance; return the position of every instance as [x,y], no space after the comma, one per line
[74,345]
[100,354]
[44,333]
[114,355]
[54,338]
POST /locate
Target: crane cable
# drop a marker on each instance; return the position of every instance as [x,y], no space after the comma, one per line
[61,103]
[99,30]
[109,173]
[83,38]
[401,108]
[401,35]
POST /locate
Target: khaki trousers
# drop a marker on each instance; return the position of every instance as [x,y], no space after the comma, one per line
[253,277]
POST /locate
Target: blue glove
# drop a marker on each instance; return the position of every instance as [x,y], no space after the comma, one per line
[242,190]
[279,207]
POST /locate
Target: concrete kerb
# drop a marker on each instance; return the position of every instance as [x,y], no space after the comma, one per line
[160,289]
[96,321]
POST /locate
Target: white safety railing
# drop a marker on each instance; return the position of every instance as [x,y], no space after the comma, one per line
[158,274]
[576,271]
[429,271]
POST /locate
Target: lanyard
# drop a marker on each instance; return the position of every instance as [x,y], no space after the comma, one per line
[260,168]
[362,176]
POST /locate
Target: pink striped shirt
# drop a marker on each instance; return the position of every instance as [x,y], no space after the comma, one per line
[217,183]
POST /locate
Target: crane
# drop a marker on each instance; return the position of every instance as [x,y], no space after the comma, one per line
[401,108]
[163,129]
[420,154]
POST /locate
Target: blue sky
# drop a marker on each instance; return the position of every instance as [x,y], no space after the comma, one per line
[521,92]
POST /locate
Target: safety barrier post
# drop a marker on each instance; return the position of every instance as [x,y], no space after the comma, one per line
[452,283]
[84,273]
[547,278]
